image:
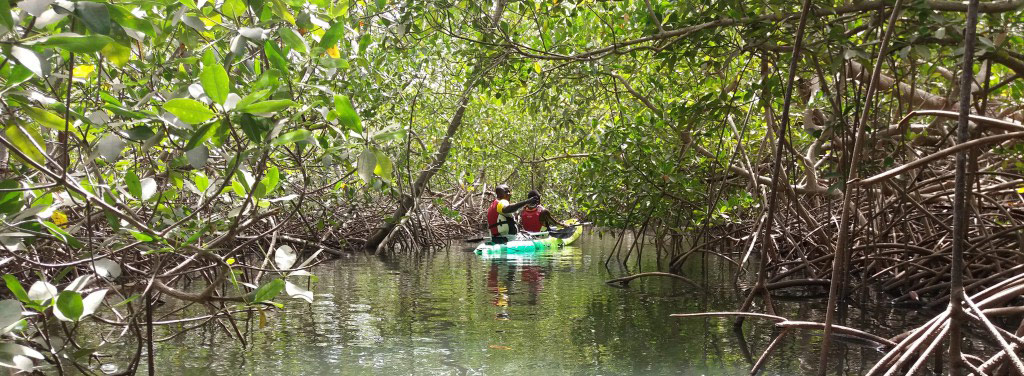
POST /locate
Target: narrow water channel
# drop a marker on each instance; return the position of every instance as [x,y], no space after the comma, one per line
[457,313]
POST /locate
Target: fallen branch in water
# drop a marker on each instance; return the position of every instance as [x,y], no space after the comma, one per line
[627,279]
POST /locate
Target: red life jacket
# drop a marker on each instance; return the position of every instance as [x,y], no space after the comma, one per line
[531,219]
[495,220]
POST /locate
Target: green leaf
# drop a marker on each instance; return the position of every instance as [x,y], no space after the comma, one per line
[62,235]
[384,166]
[10,201]
[201,181]
[133,183]
[202,134]
[253,127]
[253,97]
[347,115]
[5,16]
[216,83]
[293,136]
[366,164]
[16,288]
[141,236]
[233,8]
[189,3]
[83,44]
[117,54]
[364,42]
[70,305]
[275,56]
[389,134]
[95,16]
[333,35]
[268,291]
[281,9]
[124,18]
[267,106]
[140,133]
[45,118]
[293,40]
[189,110]
[271,178]
[238,189]
[22,137]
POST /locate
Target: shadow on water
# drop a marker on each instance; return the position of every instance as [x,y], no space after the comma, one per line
[455,312]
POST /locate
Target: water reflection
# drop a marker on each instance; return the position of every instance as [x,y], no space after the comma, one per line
[456,312]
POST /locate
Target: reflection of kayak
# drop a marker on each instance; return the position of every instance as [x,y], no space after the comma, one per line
[532,242]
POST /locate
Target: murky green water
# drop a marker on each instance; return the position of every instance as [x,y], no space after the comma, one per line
[457,313]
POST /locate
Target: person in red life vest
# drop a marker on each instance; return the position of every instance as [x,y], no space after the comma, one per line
[500,219]
[535,218]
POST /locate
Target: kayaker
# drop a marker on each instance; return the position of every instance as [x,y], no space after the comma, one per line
[499,216]
[535,218]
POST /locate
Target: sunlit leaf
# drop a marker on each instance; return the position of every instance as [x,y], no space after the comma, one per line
[367,163]
[297,292]
[188,110]
[201,181]
[45,118]
[347,115]
[271,178]
[215,82]
[106,268]
[267,106]
[30,60]
[285,257]
[148,188]
[35,7]
[117,54]
[26,138]
[233,8]
[41,291]
[92,302]
[293,136]
[384,166]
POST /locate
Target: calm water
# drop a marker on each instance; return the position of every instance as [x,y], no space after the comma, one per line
[457,313]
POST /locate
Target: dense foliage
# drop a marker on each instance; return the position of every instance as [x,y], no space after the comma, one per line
[234,143]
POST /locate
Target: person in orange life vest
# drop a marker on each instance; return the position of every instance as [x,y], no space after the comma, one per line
[499,216]
[535,218]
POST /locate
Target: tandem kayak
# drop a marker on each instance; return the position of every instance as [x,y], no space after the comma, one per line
[532,242]
[514,244]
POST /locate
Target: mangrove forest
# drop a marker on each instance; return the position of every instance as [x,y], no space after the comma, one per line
[452,187]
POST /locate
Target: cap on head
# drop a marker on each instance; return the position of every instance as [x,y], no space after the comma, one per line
[533,193]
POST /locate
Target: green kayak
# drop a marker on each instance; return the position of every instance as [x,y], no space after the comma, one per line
[533,241]
[517,245]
